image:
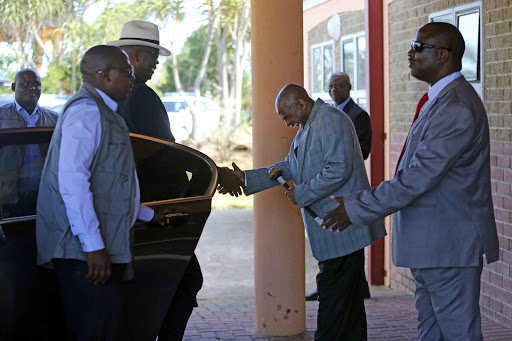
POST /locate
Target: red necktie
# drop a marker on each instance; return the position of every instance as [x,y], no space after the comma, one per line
[422,101]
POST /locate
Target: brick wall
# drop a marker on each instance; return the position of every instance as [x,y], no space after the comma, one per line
[405,18]
[351,23]
[496,298]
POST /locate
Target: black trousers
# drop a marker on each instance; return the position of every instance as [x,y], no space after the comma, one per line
[92,311]
[341,313]
[182,304]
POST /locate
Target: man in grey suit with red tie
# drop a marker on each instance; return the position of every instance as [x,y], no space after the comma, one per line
[441,193]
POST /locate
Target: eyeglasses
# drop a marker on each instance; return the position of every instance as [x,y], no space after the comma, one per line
[335,87]
[124,70]
[416,46]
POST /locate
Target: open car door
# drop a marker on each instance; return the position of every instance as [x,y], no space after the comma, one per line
[180,179]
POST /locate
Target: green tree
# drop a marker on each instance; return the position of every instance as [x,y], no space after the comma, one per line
[23,22]
[189,61]
[233,44]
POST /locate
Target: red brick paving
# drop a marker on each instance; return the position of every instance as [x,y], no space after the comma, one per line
[391,316]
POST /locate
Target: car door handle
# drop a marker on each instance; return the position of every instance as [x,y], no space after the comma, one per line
[177,219]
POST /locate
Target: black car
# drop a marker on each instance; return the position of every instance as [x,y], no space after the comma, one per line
[176,177]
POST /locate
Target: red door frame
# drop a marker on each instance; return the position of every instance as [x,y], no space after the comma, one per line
[375,95]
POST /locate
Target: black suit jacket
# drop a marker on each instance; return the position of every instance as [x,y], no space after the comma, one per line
[363,126]
[144,112]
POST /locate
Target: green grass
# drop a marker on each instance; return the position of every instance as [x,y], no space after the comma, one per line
[224,202]
[221,202]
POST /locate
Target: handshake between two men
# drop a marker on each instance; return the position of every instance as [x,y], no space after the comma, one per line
[232,181]
[324,162]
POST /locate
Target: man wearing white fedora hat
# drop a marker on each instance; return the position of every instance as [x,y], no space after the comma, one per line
[145,114]
[143,110]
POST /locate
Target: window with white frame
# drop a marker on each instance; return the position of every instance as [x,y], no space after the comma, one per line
[322,66]
[353,62]
[468,20]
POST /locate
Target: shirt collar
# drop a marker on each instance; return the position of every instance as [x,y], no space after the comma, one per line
[108,101]
[441,84]
[20,109]
[342,105]
[318,103]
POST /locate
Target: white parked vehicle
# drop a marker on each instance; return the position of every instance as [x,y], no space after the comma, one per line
[207,117]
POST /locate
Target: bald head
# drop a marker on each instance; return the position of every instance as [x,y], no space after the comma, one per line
[99,57]
[22,71]
[341,75]
[441,52]
[294,105]
[446,35]
[289,95]
[107,68]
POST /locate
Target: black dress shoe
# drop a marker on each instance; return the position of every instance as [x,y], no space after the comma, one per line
[312,296]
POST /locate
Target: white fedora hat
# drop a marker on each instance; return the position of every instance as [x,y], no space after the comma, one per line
[140,33]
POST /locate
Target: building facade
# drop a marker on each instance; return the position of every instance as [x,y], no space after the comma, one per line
[487,29]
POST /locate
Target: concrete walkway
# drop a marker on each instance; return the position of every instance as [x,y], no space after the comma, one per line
[226,302]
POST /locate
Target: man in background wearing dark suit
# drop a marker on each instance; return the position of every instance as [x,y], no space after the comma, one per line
[339,89]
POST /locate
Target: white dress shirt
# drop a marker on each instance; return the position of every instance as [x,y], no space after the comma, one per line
[436,89]
[342,105]
[81,136]
[32,165]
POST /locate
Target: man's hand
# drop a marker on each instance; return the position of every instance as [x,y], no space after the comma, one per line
[99,265]
[231,181]
[290,193]
[159,216]
[338,218]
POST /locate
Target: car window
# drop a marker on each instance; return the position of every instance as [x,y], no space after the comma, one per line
[21,165]
[174,106]
[165,171]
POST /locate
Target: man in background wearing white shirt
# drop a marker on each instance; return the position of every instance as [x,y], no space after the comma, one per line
[89,198]
[21,166]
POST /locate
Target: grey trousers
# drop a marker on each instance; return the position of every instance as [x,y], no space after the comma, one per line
[447,300]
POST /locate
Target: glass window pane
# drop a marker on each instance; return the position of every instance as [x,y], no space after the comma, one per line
[328,66]
[316,69]
[469,26]
[447,18]
[362,102]
[348,58]
[20,173]
[361,63]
